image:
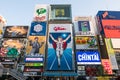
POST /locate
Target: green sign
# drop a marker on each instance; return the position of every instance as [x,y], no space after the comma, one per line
[40,11]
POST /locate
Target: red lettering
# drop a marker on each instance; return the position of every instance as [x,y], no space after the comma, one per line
[59,28]
[37,18]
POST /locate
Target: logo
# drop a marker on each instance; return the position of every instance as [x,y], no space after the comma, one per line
[38,28]
[59,28]
[40,11]
[88,57]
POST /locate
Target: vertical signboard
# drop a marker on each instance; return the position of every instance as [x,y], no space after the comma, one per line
[41,13]
[36,45]
[107,66]
[102,47]
[38,28]
[59,53]
[111,54]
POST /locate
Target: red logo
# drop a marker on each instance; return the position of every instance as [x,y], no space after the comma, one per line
[39,18]
[59,28]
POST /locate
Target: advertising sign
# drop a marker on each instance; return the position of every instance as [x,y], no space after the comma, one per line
[41,13]
[114,15]
[115,42]
[111,28]
[111,54]
[12,47]
[102,45]
[36,45]
[88,57]
[107,66]
[86,42]
[60,12]
[38,28]
[15,32]
[59,53]
[84,27]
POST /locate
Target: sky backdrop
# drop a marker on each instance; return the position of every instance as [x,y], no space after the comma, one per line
[20,12]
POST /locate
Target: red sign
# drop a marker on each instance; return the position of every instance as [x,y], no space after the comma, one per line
[107,66]
[111,28]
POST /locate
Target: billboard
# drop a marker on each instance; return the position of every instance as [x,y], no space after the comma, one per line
[85,26]
[111,28]
[60,12]
[12,47]
[86,42]
[59,53]
[114,15]
[38,28]
[15,32]
[107,66]
[111,54]
[36,45]
[115,42]
[41,13]
[88,57]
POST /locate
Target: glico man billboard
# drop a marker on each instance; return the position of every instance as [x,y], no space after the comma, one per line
[59,53]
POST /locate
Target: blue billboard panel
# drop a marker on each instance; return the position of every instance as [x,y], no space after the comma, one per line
[109,15]
[88,57]
[38,28]
[59,53]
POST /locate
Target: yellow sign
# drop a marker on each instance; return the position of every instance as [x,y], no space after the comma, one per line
[103,78]
[59,12]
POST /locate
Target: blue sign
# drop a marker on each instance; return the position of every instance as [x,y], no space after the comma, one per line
[88,57]
[109,15]
[38,29]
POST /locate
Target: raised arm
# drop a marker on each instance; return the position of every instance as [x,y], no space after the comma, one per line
[66,38]
[53,38]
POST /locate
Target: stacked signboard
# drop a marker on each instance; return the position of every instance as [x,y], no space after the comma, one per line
[60,52]
[35,50]
[109,29]
[87,53]
[13,45]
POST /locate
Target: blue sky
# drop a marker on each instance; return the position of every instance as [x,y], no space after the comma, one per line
[20,12]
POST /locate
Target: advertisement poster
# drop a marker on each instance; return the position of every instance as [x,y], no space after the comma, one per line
[107,66]
[85,26]
[60,12]
[41,13]
[36,45]
[16,32]
[38,28]
[111,28]
[88,57]
[59,53]
[12,47]
[86,42]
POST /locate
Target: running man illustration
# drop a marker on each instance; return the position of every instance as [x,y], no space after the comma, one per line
[35,46]
[60,46]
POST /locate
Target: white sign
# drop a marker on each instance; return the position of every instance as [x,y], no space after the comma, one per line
[41,13]
[60,28]
[115,42]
